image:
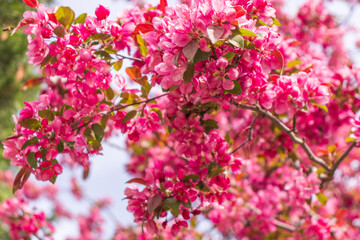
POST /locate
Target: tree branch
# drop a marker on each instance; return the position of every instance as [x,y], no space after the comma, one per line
[249,137]
[130,58]
[136,103]
[277,223]
[341,158]
[287,130]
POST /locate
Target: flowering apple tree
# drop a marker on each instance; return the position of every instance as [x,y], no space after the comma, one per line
[234,111]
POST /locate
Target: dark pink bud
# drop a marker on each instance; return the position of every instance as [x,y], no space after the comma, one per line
[102,12]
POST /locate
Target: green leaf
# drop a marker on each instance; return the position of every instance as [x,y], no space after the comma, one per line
[189,73]
[49,59]
[47,113]
[102,55]
[65,16]
[246,33]
[201,56]
[350,139]
[43,153]
[110,49]
[104,121]
[81,18]
[109,93]
[98,131]
[214,171]
[209,124]
[60,31]
[32,160]
[142,45]
[53,179]
[95,144]
[60,147]
[260,23]
[173,205]
[158,112]
[30,123]
[30,142]
[323,107]
[191,176]
[237,41]
[145,89]
[117,65]
[236,90]
[322,198]
[201,186]
[276,22]
[130,115]
[87,133]
[100,36]
[248,44]
[230,56]
[293,63]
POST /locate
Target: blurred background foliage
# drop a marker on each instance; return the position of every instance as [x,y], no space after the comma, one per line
[14,73]
[14,70]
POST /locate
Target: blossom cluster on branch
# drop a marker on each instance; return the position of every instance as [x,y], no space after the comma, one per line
[257,115]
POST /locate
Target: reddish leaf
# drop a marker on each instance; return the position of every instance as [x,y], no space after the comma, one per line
[153,203]
[52,17]
[280,57]
[138,180]
[31,83]
[23,23]
[308,69]
[274,77]
[13,137]
[144,28]
[86,173]
[240,11]
[295,43]
[31,3]
[21,178]
[163,4]
[133,72]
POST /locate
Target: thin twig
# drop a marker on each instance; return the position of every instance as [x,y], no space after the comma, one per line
[287,130]
[136,103]
[130,58]
[342,158]
[294,124]
[277,223]
[249,137]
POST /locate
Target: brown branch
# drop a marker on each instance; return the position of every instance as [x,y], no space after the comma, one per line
[287,130]
[130,58]
[136,103]
[249,137]
[277,223]
[285,226]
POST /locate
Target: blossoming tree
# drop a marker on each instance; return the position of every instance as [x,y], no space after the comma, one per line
[234,111]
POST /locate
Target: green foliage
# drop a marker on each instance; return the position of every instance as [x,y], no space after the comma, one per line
[14,70]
